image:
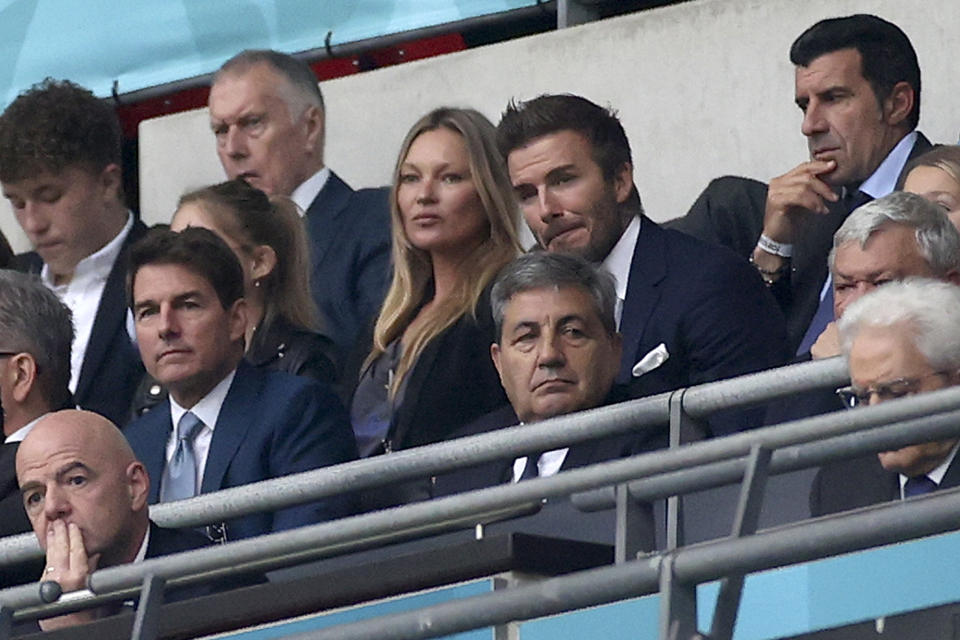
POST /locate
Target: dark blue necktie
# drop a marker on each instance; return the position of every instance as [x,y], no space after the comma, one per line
[531,470]
[180,476]
[824,314]
[917,486]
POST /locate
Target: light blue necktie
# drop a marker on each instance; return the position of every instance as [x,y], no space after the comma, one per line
[180,476]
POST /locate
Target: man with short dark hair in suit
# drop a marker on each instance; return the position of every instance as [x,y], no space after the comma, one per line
[857,83]
[35,337]
[899,340]
[689,312]
[267,113]
[557,352]
[86,495]
[225,423]
[60,168]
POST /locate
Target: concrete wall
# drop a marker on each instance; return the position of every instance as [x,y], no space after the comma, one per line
[703,88]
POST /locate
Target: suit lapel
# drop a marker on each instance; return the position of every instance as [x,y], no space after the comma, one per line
[108,321]
[647,270]
[157,431]
[232,425]
[322,216]
[951,478]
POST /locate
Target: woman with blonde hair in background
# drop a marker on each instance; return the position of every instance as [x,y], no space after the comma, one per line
[454,226]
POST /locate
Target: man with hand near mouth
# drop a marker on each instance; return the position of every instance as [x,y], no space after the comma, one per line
[705,314]
[857,84]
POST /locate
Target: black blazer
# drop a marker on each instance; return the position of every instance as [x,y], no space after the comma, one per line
[860,482]
[350,257]
[501,471]
[13,519]
[452,383]
[707,306]
[730,212]
[111,368]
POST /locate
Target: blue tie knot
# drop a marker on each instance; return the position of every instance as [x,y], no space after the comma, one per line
[918,485]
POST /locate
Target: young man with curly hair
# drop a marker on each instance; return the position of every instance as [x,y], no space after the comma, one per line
[60,170]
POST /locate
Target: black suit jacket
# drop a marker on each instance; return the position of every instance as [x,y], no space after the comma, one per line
[350,257]
[111,368]
[730,212]
[13,519]
[707,306]
[271,424]
[860,482]
[501,471]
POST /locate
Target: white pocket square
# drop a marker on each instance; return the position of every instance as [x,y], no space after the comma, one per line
[657,356]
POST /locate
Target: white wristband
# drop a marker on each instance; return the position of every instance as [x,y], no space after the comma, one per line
[773,247]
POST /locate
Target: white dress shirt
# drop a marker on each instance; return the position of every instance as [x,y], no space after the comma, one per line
[547,465]
[82,295]
[21,433]
[207,410]
[618,262]
[306,193]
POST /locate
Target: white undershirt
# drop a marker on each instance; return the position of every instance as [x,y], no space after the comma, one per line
[618,262]
[82,295]
[306,193]
[208,410]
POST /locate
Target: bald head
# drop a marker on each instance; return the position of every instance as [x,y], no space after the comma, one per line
[76,467]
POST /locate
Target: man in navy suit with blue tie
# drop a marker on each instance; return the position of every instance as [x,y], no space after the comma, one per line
[225,423]
[689,312]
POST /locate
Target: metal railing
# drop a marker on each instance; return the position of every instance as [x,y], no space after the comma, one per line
[647,414]
[752,454]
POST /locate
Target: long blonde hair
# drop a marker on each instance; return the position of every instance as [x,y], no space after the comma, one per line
[412,282]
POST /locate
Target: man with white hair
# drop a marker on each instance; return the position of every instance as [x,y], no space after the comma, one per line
[268,116]
[899,340]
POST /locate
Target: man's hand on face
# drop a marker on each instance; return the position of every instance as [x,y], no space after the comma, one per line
[793,196]
[69,565]
[827,344]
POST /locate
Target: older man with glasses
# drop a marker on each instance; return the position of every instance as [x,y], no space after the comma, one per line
[901,339]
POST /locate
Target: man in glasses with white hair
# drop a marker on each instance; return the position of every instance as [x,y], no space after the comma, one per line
[901,339]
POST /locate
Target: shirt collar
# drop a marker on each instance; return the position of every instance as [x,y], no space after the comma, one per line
[884,179]
[306,193]
[98,264]
[21,433]
[937,473]
[208,408]
[142,552]
[620,257]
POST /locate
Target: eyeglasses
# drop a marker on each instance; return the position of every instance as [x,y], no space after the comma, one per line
[854,397]
[7,354]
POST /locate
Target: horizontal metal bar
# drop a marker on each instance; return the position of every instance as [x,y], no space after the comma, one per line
[792,458]
[318,540]
[932,514]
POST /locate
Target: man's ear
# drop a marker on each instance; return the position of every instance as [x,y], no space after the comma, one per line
[237,319]
[23,370]
[899,104]
[623,182]
[315,125]
[495,356]
[138,485]
[111,180]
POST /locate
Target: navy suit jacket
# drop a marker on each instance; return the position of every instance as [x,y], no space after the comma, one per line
[711,310]
[350,258]
[501,471]
[860,482]
[271,424]
[111,368]
[730,212]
